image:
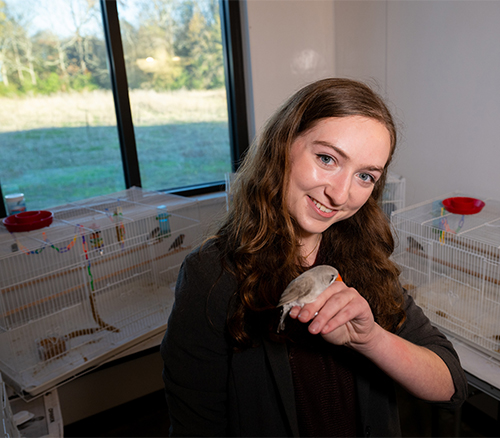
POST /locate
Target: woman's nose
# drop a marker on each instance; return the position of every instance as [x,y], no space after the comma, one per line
[338,189]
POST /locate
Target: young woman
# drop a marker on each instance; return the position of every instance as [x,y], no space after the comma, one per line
[306,194]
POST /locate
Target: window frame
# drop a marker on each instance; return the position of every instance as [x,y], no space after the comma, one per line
[235,88]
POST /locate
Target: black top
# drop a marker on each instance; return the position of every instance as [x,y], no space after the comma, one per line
[213,391]
[325,394]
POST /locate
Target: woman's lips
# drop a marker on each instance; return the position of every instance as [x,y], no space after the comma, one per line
[322,209]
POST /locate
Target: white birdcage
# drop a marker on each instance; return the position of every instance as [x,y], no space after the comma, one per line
[393,197]
[100,277]
[451,265]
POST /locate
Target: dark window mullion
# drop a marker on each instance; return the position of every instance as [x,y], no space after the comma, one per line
[3,211]
[235,79]
[119,85]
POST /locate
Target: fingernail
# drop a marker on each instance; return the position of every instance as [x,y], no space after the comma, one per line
[314,327]
[304,315]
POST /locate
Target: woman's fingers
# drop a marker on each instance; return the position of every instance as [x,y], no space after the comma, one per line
[336,295]
[340,314]
[339,309]
[309,311]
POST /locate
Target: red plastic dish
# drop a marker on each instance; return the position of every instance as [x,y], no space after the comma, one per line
[462,205]
[28,221]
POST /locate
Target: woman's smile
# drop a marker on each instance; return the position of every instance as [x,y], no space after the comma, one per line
[323,209]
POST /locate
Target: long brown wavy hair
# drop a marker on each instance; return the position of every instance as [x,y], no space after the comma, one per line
[260,240]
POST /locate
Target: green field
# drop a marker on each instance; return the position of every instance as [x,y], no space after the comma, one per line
[57,149]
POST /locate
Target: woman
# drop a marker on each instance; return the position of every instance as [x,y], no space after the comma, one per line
[306,194]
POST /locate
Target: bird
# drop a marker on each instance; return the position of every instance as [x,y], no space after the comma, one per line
[154,233]
[177,242]
[305,289]
[414,245]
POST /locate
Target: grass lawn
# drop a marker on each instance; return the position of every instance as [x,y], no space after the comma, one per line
[58,149]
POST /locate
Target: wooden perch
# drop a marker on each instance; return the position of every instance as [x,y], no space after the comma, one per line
[474,248]
[98,280]
[453,266]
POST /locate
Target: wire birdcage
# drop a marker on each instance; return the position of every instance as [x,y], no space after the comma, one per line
[97,279]
[393,196]
[451,266]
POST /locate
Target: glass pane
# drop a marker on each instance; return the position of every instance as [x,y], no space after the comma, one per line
[58,136]
[175,70]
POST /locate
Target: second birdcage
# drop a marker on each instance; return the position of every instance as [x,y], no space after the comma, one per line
[449,252]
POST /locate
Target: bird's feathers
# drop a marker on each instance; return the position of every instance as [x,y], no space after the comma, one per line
[305,289]
[177,242]
[296,290]
[414,245]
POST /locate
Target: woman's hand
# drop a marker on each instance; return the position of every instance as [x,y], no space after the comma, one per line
[340,314]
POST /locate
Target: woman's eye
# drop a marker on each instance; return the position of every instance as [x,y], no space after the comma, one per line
[325,159]
[366,177]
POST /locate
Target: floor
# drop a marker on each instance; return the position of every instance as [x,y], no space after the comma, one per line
[147,417]
[420,419]
[143,417]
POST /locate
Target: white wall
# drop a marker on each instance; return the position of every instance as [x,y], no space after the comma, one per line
[437,62]
[291,43]
[443,73]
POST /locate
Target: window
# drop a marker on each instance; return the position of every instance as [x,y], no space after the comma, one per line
[175,70]
[168,113]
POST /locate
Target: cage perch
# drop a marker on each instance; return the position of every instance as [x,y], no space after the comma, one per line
[453,266]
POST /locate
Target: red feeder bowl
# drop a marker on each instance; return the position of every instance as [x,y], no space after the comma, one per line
[28,221]
[461,205]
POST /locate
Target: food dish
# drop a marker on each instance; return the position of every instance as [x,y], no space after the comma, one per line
[28,221]
[463,205]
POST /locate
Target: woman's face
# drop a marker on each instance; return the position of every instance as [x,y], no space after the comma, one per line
[334,168]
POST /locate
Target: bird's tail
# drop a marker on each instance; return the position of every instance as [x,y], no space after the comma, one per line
[281,325]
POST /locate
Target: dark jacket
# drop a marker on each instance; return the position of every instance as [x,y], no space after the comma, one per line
[212,391]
